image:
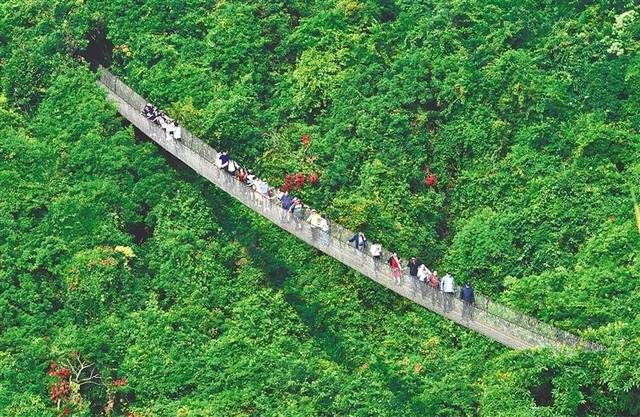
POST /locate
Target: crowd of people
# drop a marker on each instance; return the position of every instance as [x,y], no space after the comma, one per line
[442,290]
[170,126]
[267,196]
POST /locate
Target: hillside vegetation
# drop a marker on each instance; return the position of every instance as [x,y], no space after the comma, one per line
[181,302]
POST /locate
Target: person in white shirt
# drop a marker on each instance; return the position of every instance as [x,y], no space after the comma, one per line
[278,193]
[256,183]
[231,167]
[448,287]
[376,252]
[423,272]
[177,131]
[423,275]
[263,189]
[324,227]
[251,178]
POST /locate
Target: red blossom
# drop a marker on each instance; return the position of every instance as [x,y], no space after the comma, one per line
[64,373]
[431,180]
[306,140]
[300,179]
[60,390]
[53,369]
[288,183]
[66,411]
[120,382]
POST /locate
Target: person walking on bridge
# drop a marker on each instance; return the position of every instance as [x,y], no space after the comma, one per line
[434,282]
[241,175]
[448,287]
[250,179]
[468,299]
[296,210]
[314,220]
[262,188]
[177,131]
[286,201]
[376,252]
[257,183]
[413,266]
[423,276]
[396,267]
[223,160]
[232,166]
[359,241]
[324,227]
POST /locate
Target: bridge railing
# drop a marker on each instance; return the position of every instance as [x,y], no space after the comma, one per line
[485,316]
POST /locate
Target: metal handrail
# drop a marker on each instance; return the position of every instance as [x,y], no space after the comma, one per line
[490,318]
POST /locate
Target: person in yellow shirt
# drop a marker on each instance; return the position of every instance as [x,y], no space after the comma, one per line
[315,220]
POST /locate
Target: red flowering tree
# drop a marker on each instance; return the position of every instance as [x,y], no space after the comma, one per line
[120,382]
[306,141]
[68,377]
[430,180]
[294,182]
[288,183]
[60,390]
[299,180]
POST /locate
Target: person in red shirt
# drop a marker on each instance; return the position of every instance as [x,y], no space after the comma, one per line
[396,267]
[434,283]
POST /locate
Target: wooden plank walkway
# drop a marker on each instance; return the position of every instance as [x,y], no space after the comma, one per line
[493,320]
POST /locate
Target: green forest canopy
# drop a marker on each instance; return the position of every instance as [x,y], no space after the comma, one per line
[113,255]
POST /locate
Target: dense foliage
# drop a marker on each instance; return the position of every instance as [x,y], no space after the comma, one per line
[496,139]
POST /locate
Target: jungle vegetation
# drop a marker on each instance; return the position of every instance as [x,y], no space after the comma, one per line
[131,287]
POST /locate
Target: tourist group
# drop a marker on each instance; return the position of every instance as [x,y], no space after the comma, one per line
[441,290]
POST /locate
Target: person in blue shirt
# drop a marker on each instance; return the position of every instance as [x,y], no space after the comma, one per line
[223,160]
[286,201]
[468,299]
[359,240]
